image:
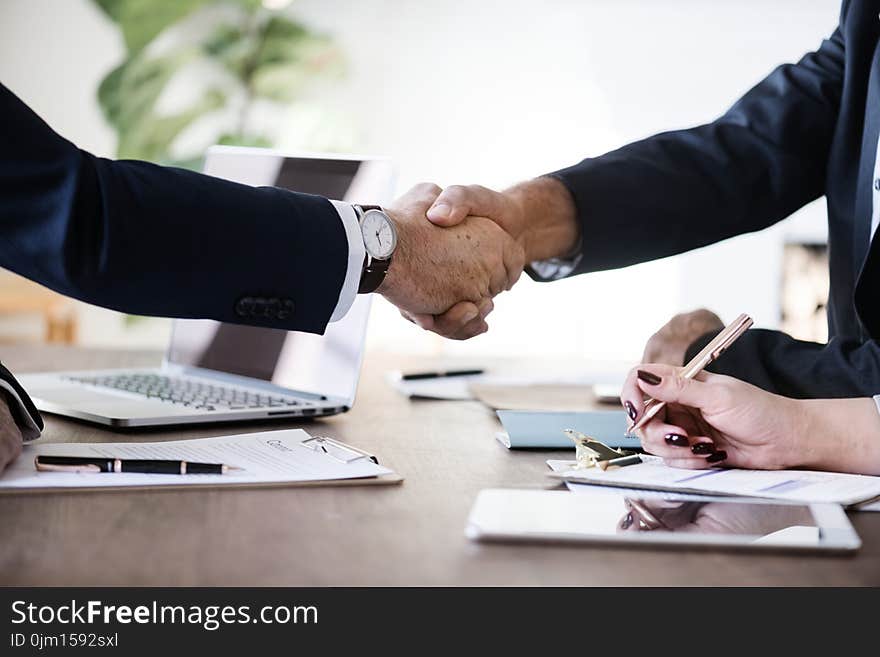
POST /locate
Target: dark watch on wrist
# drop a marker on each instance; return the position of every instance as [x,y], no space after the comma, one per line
[380,241]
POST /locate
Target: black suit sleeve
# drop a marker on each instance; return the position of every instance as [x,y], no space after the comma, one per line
[777,362]
[154,240]
[25,414]
[755,165]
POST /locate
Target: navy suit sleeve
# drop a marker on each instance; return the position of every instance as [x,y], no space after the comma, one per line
[755,165]
[153,240]
[805,370]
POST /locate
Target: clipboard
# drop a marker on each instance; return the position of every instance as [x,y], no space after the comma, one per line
[272,459]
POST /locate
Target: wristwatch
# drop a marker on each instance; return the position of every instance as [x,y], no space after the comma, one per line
[380,241]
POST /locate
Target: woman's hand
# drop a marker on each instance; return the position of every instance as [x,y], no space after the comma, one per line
[715,420]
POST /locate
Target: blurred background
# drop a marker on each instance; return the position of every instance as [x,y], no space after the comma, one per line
[458,91]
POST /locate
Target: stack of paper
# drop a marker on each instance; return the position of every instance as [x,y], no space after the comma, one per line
[792,485]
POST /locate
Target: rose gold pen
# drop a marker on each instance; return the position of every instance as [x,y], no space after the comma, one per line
[648,520]
[717,346]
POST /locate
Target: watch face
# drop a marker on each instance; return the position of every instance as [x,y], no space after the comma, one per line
[380,236]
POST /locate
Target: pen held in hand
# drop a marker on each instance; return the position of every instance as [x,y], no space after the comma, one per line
[97,464]
[710,353]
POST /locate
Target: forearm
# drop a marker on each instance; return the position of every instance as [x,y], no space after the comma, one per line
[676,191]
[550,226]
[838,435]
[151,240]
[776,362]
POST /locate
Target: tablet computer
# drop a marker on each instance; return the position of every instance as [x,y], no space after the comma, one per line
[625,518]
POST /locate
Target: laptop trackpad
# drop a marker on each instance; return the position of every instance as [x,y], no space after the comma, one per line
[104,404]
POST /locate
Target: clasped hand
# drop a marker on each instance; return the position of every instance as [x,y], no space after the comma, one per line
[444,277]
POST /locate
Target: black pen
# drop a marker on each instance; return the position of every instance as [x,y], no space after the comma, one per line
[45,463]
[623,461]
[436,375]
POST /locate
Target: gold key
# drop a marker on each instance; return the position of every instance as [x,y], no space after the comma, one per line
[589,452]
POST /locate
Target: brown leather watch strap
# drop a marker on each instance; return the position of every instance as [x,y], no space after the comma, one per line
[372,275]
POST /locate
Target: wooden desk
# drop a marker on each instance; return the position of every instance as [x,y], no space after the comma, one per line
[398,535]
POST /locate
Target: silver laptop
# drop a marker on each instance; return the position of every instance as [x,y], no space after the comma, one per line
[219,372]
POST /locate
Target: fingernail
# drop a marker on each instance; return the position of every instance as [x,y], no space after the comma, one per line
[676,440]
[630,410]
[717,456]
[469,317]
[627,521]
[648,377]
[439,211]
[703,448]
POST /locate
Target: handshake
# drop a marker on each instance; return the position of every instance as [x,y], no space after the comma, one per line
[458,248]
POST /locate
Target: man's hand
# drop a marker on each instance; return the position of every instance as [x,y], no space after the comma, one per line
[10,436]
[671,342]
[437,268]
[457,202]
[538,214]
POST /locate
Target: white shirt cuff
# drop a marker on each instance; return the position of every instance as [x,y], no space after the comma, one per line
[554,269]
[356,253]
[877,401]
[30,430]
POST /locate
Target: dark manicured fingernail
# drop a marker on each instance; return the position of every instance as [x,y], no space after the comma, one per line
[703,448]
[648,377]
[627,521]
[676,440]
[630,410]
[717,456]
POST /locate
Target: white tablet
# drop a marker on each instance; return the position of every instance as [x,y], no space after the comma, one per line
[625,518]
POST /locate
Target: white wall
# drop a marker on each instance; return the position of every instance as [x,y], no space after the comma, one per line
[493,92]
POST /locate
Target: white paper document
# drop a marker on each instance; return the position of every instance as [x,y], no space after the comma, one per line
[792,485]
[267,457]
[592,489]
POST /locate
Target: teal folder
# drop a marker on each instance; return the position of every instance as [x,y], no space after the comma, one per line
[543,429]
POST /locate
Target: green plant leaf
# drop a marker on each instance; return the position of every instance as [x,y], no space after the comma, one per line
[141,21]
[290,57]
[271,56]
[233,48]
[151,138]
[255,141]
[129,92]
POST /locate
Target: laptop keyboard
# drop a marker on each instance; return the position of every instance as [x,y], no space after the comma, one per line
[188,392]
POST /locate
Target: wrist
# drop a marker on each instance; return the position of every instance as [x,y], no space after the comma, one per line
[547,218]
[379,234]
[391,282]
[839,435]
[802,422]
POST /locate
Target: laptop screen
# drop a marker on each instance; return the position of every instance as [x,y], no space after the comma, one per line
[326,365]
